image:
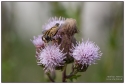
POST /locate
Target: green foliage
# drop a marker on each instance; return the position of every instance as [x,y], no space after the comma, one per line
[74,77]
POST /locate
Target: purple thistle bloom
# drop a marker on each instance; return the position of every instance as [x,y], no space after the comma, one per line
[86,53]
[37,41]
[57,36]
[51,57]
[52,21]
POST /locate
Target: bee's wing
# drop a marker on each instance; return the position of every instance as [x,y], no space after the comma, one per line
[44,31]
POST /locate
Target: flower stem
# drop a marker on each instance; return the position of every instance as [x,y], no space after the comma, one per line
[50,77]
[75,72]
[72,73]
[64,74]
[72,69]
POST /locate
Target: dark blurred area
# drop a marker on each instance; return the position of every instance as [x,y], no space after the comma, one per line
[101,22]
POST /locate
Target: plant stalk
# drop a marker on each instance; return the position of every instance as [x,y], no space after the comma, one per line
[50,77]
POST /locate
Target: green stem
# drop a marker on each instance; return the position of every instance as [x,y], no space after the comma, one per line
[72,69]
[64,74]
[75,72]
[50,77]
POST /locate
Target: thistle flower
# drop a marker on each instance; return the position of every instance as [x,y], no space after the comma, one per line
[64,36]
[51,57]
[37,41]
[86,53]
[52,21]
[61,48]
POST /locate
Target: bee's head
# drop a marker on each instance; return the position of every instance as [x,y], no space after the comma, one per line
[46,39]
[57,24]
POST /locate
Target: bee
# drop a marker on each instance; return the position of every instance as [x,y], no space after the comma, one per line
[49,34]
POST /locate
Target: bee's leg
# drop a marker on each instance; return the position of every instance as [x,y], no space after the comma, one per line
[54,40]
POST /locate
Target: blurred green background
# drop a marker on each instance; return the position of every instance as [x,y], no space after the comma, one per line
[101,22]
